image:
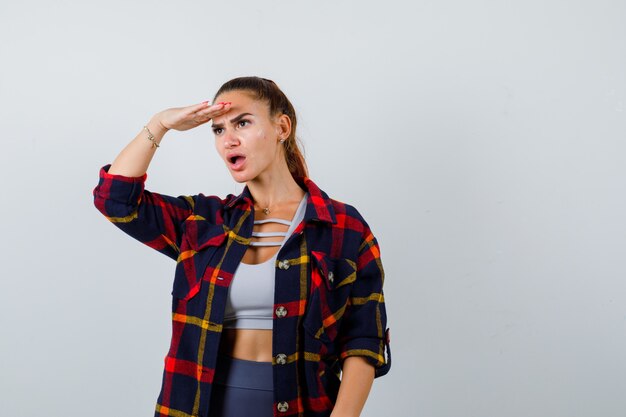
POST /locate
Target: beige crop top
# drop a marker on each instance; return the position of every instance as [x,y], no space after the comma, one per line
[250,301]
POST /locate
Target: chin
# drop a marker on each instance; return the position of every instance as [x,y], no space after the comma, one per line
[240,177]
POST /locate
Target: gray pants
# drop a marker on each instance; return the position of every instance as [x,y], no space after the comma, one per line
[242,388]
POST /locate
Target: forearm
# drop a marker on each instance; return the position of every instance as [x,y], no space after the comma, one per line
[356,382]
[134,159]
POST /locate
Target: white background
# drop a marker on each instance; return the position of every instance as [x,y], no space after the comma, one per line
[483,141]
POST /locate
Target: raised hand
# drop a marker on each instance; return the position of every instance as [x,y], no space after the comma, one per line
[185,118]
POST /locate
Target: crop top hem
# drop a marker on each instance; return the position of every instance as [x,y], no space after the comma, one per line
[248,323]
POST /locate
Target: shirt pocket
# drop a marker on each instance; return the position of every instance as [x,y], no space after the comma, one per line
[201,241]
[331,283]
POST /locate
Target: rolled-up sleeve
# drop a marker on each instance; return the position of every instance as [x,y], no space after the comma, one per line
[151,218]
[364,329]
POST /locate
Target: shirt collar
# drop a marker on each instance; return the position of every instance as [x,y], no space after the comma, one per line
[319,206]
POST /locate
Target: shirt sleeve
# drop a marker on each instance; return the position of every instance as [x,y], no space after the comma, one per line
[152,218]
[363,329]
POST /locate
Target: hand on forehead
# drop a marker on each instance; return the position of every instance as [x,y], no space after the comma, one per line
[240,103]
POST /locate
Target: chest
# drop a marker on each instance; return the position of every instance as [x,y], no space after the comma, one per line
[312,272]
[270,231]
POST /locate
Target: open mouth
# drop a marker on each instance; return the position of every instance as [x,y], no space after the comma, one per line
[237,161]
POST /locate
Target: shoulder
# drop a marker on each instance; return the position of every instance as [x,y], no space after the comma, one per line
[344,213]
[213,201]
[356,232]
[349,216]
[212,207]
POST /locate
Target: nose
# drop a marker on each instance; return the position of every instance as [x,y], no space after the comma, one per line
[230,139]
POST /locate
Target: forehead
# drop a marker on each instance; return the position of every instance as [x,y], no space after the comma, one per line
[241,102]
[238,95]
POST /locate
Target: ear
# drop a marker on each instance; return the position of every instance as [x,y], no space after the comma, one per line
[283,126]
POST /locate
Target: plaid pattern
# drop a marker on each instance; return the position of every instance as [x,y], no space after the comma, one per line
[328,301]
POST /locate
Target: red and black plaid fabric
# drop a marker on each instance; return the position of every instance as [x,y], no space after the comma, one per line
[328,301]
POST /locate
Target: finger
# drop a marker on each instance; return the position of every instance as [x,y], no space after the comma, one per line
[205,115]
[198,107]
[220,105]
[214,110]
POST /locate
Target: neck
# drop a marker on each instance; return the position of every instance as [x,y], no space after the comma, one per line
[274,188]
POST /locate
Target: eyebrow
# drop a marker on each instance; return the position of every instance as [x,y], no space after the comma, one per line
[234,120]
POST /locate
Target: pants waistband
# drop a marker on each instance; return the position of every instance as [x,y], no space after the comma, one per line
[243,373]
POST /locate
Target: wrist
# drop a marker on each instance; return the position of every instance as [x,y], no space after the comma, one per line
[156,127]
[154,131]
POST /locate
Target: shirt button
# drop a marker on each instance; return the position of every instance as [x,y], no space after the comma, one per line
[331,276]
[282,406]
[283,264]
[281,311]
[281,359]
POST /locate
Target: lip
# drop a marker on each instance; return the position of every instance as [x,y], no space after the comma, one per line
[239,164]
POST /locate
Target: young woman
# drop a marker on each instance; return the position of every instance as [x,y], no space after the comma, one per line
[278,306]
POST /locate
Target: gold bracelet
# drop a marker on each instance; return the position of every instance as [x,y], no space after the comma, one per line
[151,137]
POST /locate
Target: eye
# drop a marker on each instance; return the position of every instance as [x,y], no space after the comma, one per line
[243,122]
[217,130]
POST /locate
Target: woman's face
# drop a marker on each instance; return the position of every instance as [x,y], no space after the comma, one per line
[247,134]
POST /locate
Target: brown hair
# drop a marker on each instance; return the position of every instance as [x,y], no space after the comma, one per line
[267,90]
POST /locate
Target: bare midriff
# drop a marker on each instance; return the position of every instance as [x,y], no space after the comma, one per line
[256,344]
